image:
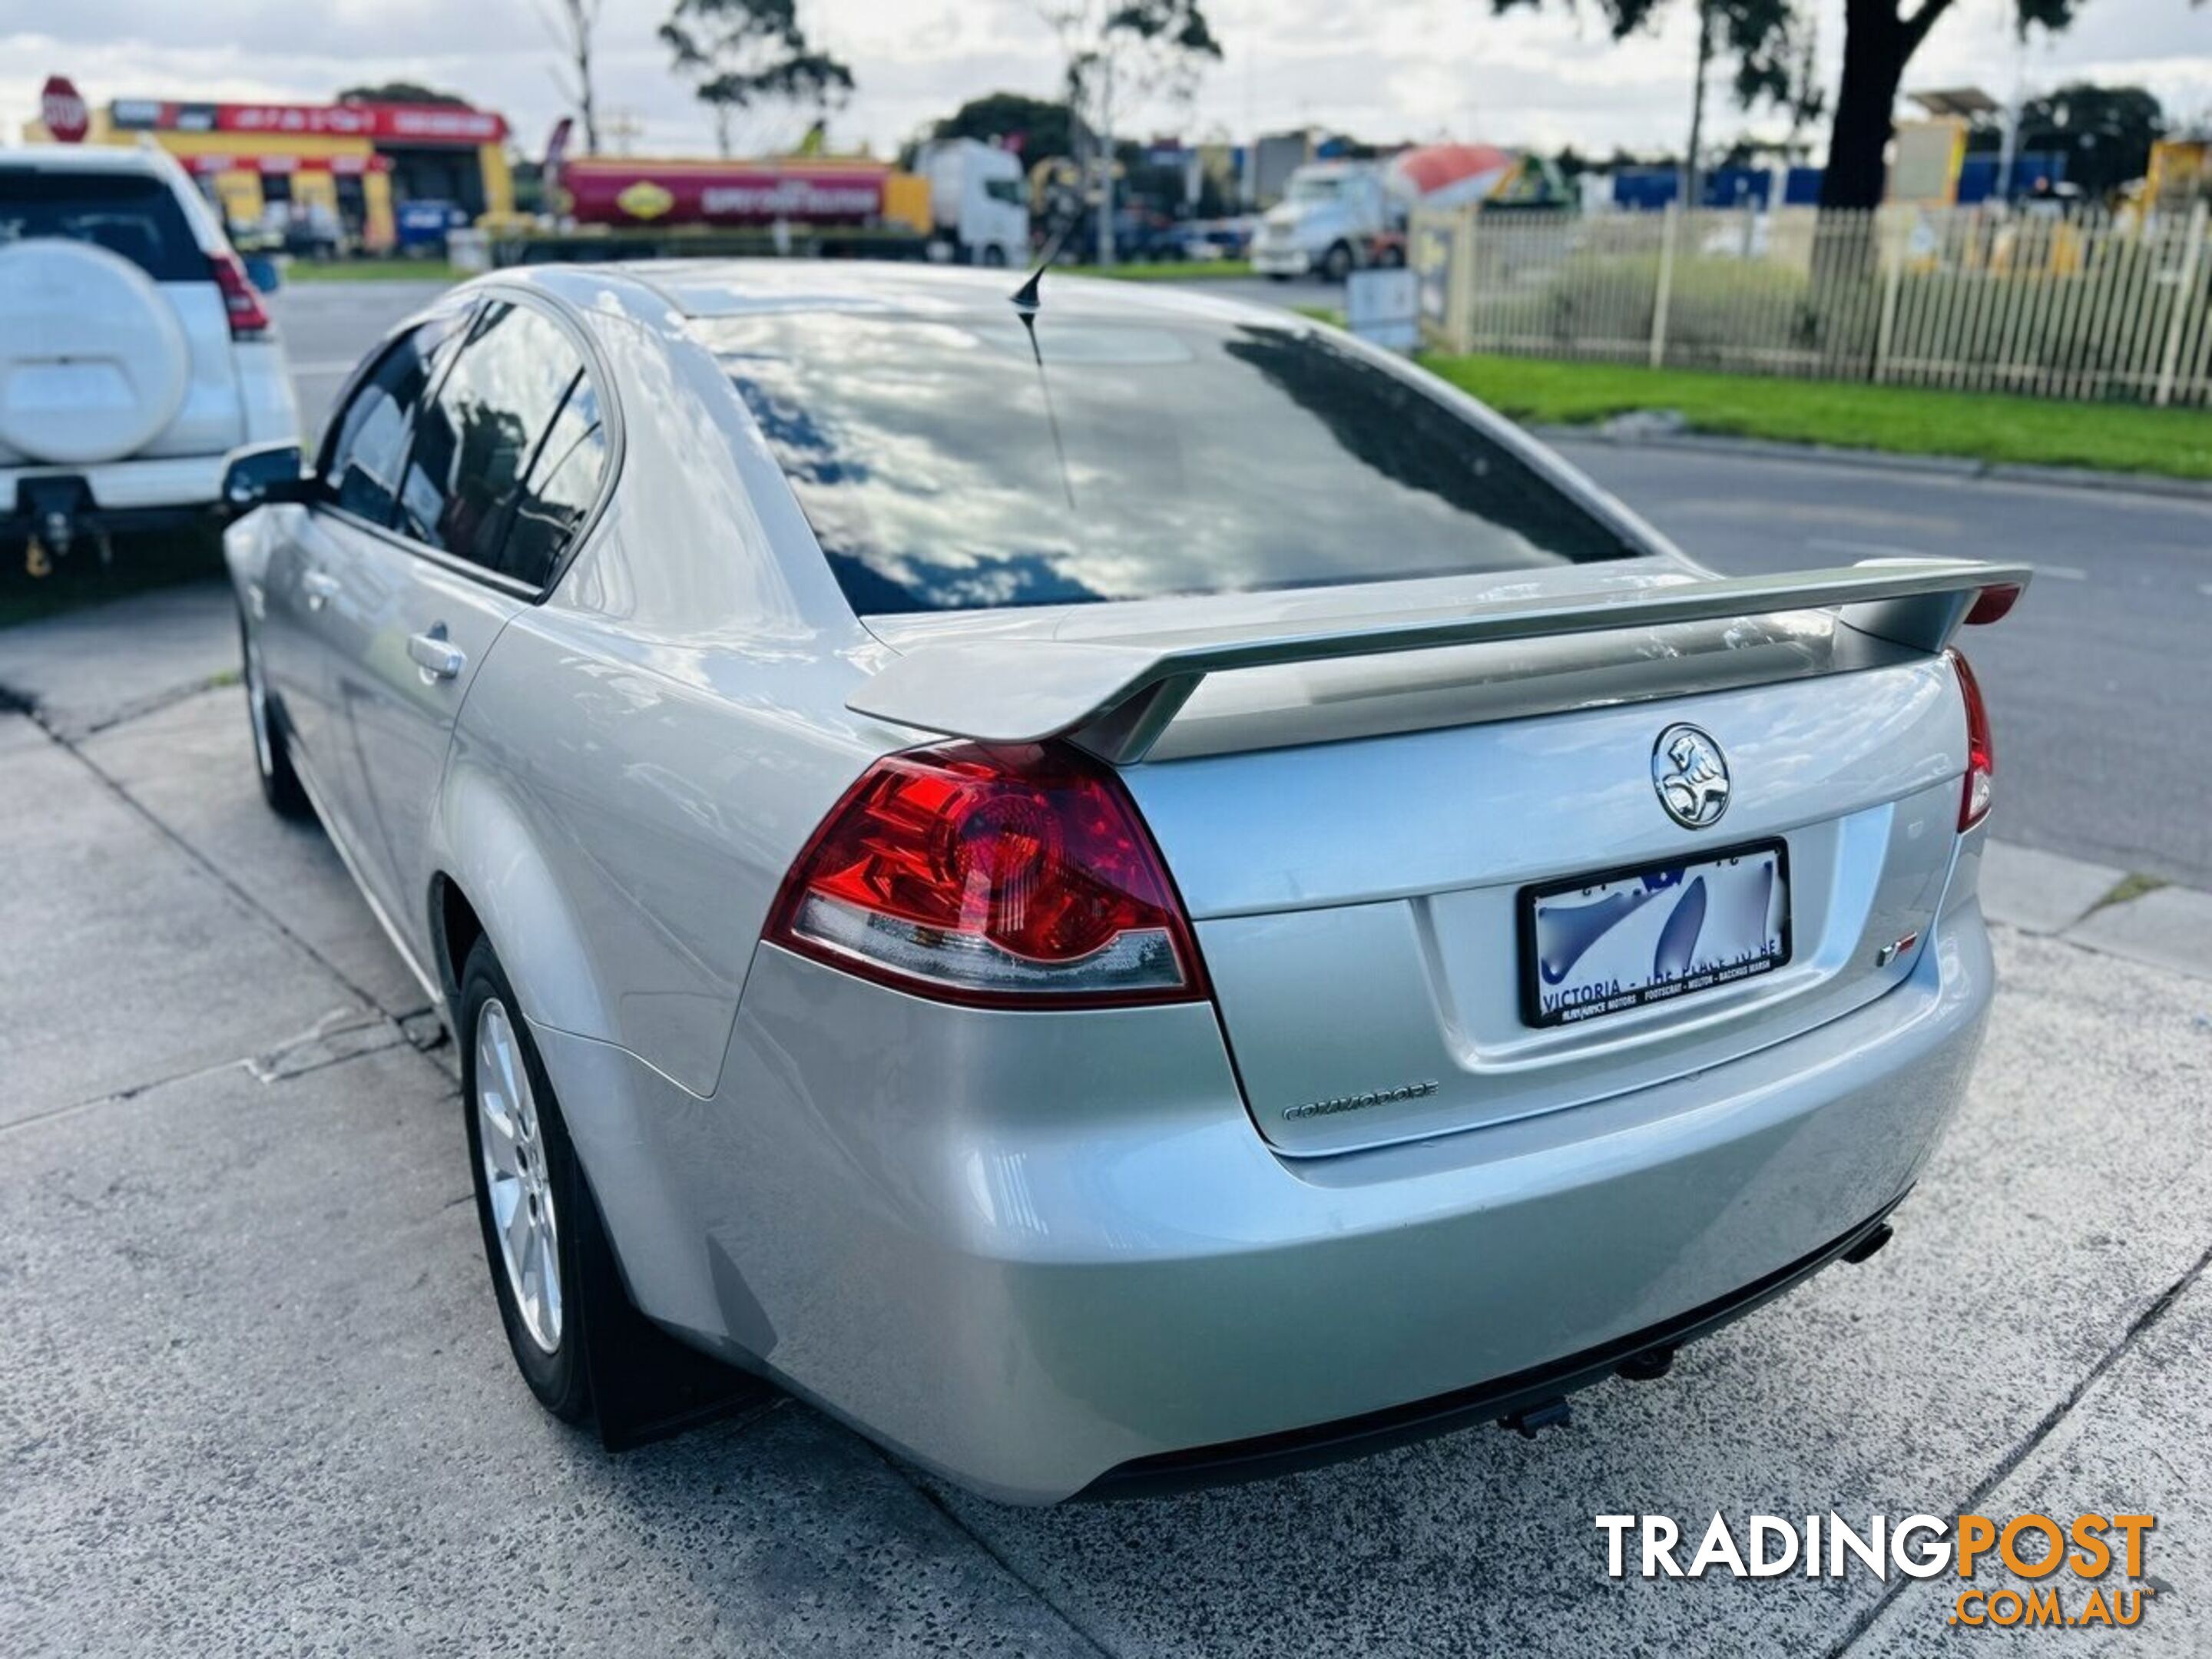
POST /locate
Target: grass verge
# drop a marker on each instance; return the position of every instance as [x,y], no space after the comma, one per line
[1169,270]
[1977,426]
[372,271]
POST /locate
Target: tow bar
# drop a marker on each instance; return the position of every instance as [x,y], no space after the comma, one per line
[54,505]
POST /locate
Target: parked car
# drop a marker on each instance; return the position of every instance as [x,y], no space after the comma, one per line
[134,352]
[1115,888]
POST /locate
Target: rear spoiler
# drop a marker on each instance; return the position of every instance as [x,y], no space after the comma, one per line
[1117,694]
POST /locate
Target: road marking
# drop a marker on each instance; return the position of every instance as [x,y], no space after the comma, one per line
[307,371]
[2064,573]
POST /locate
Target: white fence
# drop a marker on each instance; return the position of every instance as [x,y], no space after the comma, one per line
[2087,305]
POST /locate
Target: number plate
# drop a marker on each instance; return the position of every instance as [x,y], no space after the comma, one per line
[1603,944]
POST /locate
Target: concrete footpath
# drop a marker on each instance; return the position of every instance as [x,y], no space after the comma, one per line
[253,1396]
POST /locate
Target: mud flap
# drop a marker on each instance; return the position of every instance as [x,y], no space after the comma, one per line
[646,1385]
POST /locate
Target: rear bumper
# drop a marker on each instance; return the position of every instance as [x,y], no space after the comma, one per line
[115,488]
[1267,1455]
[1028,1250]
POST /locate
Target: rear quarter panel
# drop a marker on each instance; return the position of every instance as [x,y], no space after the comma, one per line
[643,756]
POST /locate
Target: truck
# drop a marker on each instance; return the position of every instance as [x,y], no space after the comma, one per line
[979,201]
[1330,223]
[1338,216]
[964,201]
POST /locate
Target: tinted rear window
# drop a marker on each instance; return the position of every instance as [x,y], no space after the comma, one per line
[940,469]
[129,214]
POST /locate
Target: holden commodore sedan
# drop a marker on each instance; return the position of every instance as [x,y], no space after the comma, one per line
[1117,889]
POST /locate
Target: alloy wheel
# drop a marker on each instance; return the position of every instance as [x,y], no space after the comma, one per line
[517,1180]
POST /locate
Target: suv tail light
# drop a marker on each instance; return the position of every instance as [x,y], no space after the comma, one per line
[1981,752]
[1018,877]
[248,321]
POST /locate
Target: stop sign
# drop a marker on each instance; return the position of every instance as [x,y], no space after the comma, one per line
[63,111]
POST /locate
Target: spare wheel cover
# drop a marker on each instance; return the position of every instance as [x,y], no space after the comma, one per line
[93,358]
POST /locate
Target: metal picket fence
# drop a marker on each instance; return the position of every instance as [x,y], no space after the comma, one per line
[2086,304]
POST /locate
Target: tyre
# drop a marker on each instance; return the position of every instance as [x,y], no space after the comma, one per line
[994,257]
[272,759]
[1336,264]
[531,1197]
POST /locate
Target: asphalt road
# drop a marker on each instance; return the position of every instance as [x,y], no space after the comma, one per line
[2097,682]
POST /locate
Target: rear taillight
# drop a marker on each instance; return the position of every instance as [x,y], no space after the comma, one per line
[1008,877]
[248,321]
[1981,753]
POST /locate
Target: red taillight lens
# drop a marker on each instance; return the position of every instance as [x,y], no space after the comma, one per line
[248,321]
[1016,877]
[1981,752]
[1992,604]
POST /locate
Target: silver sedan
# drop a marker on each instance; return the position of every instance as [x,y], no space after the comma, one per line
[1117,890]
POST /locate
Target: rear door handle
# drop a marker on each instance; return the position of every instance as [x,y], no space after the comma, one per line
[319,585]
[438,657]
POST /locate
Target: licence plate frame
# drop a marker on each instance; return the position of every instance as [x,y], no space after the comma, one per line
[1532,1011]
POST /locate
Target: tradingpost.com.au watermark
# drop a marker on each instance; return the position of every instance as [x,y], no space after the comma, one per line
[2093,1563]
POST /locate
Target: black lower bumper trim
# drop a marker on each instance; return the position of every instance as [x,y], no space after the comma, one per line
[1269,1455]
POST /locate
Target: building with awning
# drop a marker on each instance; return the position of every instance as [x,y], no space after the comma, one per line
[352,162]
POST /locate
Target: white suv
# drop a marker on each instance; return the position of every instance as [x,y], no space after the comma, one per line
[134,352]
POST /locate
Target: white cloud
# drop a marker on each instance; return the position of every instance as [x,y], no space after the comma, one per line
[1397,69]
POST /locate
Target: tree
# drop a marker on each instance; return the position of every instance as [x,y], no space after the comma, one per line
[1034,128]
[742,53]
[1770,41]
[401,91]
[1879,41]
[2105,133]
[1119,54]
[1880,37]
[572,23]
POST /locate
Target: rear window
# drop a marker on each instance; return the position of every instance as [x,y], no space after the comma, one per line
[129,214]
[943,468]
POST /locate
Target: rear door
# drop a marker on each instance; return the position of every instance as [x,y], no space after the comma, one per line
[506,457]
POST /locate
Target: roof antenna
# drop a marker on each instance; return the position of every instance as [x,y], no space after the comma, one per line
[1027,303]
[1026,298]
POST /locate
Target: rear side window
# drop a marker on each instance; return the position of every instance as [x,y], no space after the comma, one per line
[476,442]
[129,214]
[948,462]
[368,442]
[563,483]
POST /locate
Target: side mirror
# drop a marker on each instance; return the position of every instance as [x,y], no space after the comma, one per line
[262,476]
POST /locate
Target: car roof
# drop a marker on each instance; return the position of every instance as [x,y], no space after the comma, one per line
[710,288]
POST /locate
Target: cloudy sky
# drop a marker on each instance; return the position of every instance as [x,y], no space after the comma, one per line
[1391,68]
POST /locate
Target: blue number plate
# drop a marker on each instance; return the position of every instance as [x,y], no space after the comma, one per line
[1625,938]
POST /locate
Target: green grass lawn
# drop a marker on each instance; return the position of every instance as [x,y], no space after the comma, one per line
[371,270]
[1168,271]
[1978,426]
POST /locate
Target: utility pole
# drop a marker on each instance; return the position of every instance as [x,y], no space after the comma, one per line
[2009,152]
[1106,163]
[1693,175]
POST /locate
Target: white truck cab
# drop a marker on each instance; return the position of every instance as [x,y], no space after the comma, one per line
[978,201]
[135,355]
[1327,224]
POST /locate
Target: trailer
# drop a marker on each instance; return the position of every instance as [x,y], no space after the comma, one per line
[963,202]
